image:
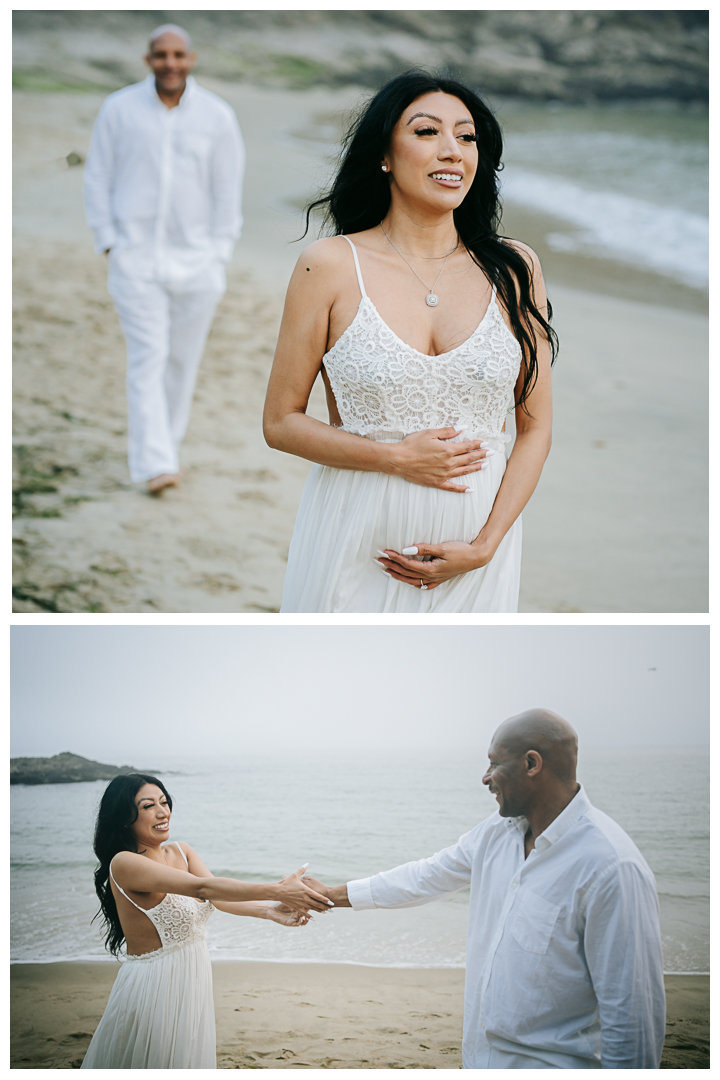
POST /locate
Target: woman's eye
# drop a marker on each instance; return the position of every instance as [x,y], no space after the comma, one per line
[468,137]
[426,131]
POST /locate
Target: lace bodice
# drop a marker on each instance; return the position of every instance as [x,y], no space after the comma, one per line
[179,920]
[383,386]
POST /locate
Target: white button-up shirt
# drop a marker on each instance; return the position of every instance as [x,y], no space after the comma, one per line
[564,958]
[163,186]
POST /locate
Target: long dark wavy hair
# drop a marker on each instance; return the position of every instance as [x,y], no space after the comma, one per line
[359,198]
[113,833]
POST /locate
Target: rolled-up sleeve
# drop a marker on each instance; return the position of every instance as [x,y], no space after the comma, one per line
[623,950]
[98,180]
[228,171]
[416,883]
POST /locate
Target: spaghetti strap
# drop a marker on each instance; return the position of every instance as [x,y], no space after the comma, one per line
[361,283]
[125,894]
[177,845]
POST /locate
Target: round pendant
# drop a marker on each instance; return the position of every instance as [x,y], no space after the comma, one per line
[431,300]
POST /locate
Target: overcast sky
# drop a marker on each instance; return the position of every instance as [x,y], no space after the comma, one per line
[120,693]
[112,692]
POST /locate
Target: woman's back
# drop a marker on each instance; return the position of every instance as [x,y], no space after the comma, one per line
[170,921]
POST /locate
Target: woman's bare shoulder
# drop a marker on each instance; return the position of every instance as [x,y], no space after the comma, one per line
[525,250]
[124,859]
[328,253]
[183,845]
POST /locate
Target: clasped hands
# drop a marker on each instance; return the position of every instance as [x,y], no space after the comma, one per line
[298,895]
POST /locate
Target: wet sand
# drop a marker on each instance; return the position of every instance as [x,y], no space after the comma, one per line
[618,522]
[277,1016]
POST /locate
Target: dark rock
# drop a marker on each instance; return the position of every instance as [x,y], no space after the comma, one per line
[63,769]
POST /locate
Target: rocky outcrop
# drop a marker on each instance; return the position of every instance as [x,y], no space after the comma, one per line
[573,56]
[63,769]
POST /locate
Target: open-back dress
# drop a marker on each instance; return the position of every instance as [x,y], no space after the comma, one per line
[160,1013]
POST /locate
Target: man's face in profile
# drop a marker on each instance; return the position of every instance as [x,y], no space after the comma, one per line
[504,778]
[171,62]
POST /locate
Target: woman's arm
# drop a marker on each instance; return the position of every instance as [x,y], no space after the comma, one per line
[532,446]
[278,913]
[257,909]
[426,457]
[138,874]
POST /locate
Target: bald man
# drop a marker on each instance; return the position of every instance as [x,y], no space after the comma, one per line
[163,184]
[564,961]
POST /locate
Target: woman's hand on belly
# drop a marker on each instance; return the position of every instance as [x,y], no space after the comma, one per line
[429,459]
[446,561]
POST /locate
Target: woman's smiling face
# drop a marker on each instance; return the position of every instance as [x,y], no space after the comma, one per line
[153,821]
[433,152]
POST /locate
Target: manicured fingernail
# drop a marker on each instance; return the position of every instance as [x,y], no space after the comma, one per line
[489,453]
[330,903]
[379,563]
[410,551]
[484,465]
[468,490]
[484,445]
[383,553]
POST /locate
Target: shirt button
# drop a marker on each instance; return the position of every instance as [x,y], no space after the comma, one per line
[514,884]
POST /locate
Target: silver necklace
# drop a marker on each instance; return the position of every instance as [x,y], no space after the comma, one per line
[431,299]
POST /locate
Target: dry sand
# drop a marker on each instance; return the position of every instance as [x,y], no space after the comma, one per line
[276,1016]
[618,522]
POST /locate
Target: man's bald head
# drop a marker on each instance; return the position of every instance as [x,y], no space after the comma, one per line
[174,30]
[547,733]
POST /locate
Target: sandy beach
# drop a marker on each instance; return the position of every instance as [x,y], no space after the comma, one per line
[333,1016]
[618,522]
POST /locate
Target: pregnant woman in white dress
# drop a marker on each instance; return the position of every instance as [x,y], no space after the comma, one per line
[158,897]
[426,330]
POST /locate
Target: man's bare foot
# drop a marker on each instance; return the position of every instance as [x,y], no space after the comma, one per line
[159,483]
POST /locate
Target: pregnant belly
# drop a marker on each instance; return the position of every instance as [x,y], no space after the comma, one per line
[364,512]
[345,518]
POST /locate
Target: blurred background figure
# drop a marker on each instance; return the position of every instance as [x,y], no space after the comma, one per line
[163,187]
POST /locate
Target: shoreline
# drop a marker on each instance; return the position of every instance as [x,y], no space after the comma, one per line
[306,1015]
[319,963]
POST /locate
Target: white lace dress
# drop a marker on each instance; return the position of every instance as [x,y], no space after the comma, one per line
[160,1014]
[385,390]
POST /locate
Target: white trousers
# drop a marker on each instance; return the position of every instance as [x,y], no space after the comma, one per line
[165,328]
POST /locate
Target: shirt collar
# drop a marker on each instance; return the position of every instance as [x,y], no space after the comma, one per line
[574,810]
[562,824]
[188,93]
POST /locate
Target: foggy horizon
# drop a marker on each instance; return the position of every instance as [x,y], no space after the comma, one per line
[130,695]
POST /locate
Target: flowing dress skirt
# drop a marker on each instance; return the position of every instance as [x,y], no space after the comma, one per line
[160,1014]
[345,517]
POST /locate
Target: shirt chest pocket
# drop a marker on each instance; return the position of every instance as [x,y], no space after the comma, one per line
[534,921]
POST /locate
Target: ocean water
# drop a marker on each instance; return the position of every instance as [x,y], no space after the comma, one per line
[624,184]
[616,182]
[259,818]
